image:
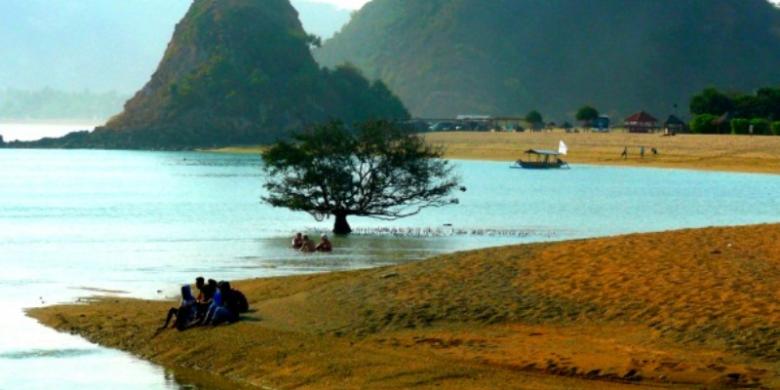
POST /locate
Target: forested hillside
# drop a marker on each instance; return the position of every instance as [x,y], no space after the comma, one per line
[448,57]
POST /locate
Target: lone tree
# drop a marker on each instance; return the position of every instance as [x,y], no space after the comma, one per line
[534,118]
[587,115]
[377,170]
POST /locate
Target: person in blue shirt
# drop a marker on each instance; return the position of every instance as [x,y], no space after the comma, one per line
[186,313]
[226,305]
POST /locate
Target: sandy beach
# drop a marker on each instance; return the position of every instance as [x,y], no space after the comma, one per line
[759,154]
[686,308]
[733,153]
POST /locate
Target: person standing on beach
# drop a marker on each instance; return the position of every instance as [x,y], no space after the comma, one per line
[625,153]
[641,152]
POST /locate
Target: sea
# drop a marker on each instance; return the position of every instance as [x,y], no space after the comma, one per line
[78,223]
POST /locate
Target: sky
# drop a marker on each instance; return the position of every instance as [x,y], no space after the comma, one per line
[346,4]
[355,4]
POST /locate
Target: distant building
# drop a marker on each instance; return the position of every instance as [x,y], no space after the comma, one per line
[483,118]
[675,125]
[507,123]
[641,122]
[601,123]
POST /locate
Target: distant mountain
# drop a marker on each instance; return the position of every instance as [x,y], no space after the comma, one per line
[51,104]
[237,72]
[321,19]
[449,57]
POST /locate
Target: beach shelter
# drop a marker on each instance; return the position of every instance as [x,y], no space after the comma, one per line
[675,125]
[641,122]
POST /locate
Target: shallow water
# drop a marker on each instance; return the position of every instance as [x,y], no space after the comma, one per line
[76,223]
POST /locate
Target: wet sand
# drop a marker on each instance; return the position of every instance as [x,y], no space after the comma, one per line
[688,308]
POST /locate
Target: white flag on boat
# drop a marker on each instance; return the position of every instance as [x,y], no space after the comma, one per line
[562,148]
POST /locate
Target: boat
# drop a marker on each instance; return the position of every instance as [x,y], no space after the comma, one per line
[544,159]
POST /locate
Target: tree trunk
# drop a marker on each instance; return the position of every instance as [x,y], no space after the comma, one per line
[341,227]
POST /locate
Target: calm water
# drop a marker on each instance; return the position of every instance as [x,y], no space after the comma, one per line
[142,222]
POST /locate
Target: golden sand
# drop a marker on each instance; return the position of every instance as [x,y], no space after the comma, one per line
[760,154]
[687,308]
[735,153]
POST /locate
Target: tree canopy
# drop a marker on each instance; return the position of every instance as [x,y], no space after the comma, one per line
[711,101]
[746,113]
[587,114]
[378,170]
[449,57]
[534,117]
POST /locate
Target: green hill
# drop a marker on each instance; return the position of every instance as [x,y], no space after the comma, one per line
[237,72]
[449,57]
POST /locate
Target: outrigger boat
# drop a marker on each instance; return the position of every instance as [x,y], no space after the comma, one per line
[544,159]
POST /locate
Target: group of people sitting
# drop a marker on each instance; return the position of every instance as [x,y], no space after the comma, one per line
[216,303]
[303,243]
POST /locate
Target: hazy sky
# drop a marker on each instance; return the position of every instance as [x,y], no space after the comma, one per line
[348,4]
[355,4]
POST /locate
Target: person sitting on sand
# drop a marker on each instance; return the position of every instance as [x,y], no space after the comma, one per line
[200,283]
[308,245]
[227,305]
[234,300]
[216,302]
[324,245]
[205,295]
[185,313]
[297,241]
[209,290]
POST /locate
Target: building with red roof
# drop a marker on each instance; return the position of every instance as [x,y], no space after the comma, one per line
[641,122]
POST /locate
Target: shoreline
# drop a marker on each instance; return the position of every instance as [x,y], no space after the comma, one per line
[721,153]
[714,153]
[681,308]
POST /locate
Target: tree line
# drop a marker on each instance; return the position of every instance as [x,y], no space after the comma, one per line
[717,112]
